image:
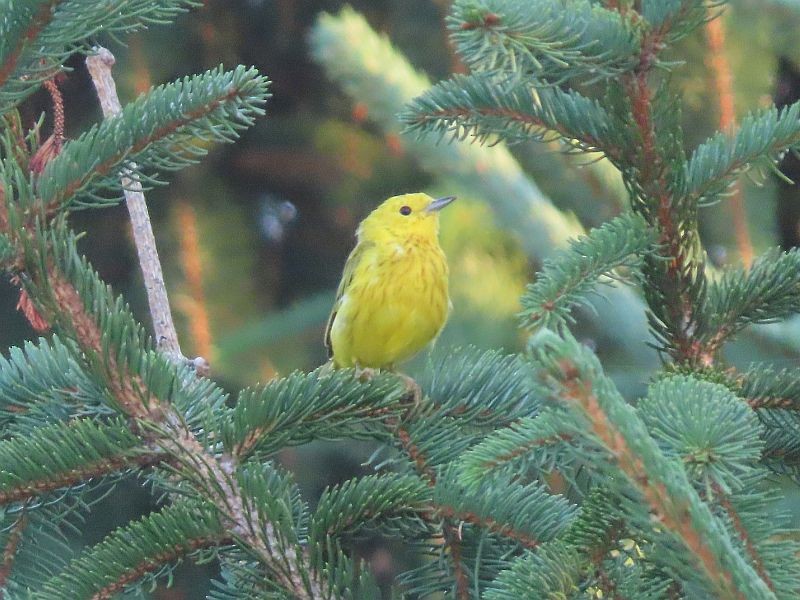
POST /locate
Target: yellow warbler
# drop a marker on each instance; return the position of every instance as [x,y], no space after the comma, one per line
[392,300]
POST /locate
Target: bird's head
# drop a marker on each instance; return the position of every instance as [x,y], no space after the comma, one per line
[404,216]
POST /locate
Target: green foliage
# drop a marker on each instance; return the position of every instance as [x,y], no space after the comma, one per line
[758,142]
[528,445]
[42,383]
[474,105]
[335,405]
[676,18]
[64,454]
[705,426]
[527,514]
[37,36]
[167,129]
[545,39]
[393,504]
[552,571]
[766,293]
[124,557]
[566,280]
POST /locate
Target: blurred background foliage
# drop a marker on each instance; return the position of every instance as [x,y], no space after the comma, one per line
[254,238]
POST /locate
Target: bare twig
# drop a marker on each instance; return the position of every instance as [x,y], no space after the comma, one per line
[10,550]
[99,65]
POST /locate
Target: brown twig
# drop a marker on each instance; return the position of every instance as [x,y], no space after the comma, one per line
[680,267]
[154,563]
[39,21]
[99,65]
[744,536]
[450,535]
[10,550]
[490,524]
[717,61]
[90,470]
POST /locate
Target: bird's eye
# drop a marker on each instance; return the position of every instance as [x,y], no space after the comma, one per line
[405,210]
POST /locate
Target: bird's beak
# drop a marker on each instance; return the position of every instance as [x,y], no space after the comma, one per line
[439,204]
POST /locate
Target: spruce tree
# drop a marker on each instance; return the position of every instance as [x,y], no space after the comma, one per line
[514,476]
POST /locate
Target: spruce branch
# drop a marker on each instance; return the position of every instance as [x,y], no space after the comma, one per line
[393,503]
[577,380]
[147,546]
[721,496]
[42,383]
[99,66]
[758,142]
[11,547]
[673,19]
[335,405]
[516,448]
[569,277]
[762,386]
[67,454]
[481,387]
[767,292]
[166,129]
[37,36]
[523,513]
[675,277]
[480,106]
[713,433]
[545,39]
[140,384]
[554,569]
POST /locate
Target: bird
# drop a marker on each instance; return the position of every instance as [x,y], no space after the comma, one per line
[393,297]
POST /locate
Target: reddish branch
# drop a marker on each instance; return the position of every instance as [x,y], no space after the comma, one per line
[39,21]
[525,448]
[743,534]
[673,515]
[452,539]
[10,550]
[655,185]
[488,523]
[526,120]
[88,471]
[152,564]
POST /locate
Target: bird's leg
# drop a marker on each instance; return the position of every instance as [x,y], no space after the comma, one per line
[365,373]
[412,387]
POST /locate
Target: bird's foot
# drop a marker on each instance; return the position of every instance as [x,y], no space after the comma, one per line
[413,389]
[365,373]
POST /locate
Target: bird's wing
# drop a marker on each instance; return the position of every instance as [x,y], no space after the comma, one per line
[347,277]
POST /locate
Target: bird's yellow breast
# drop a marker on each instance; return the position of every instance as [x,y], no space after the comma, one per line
[396,304]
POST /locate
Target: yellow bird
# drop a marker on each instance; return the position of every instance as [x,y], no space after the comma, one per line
[392,300]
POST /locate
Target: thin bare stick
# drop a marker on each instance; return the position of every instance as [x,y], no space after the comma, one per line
[99,65]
